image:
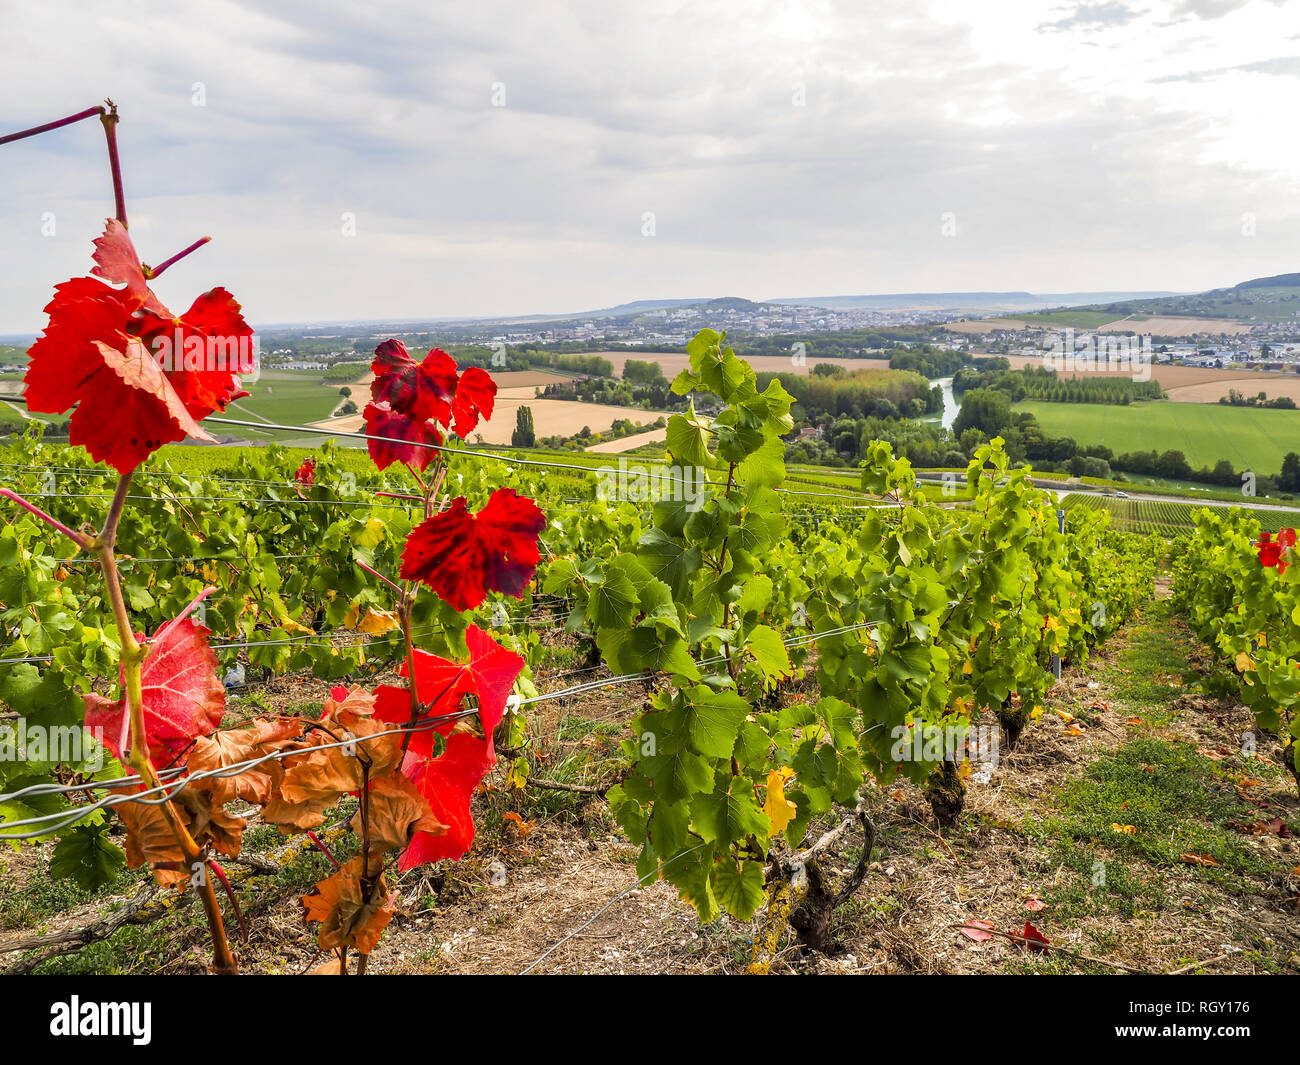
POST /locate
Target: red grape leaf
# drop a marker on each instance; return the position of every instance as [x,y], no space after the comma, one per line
[116,260]
[1037,941]
[183,697]
[129,409]
[216,319]
[421,391]
[123,412]
[494,670]
[65,356]
[447,783]
[462,556]
[489,675]
[382,420]
[475,396]
[440,684]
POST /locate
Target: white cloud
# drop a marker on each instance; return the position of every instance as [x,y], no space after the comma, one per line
[1080,145]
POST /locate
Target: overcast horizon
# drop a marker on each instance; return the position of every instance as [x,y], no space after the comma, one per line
[494,160]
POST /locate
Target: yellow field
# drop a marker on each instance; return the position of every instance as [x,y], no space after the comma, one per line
[1167,326]
[551,417]
[628,443]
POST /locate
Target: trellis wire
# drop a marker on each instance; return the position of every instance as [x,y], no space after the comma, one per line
[166,791]
[524,620]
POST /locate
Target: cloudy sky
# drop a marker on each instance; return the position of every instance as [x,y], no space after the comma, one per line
[511,158]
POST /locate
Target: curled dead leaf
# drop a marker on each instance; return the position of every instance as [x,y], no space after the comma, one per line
[524,827]
[397,812]
[345,917]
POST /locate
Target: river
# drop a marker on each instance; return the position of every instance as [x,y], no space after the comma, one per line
[950,404]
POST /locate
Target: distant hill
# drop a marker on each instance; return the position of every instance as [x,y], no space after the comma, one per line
[1262,299]
[637,307]
[1276,281]
[962,301]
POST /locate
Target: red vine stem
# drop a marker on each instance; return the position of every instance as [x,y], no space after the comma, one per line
[89,112]
[324,850]
[375,573]
[80,539]
[408,601]
[156,271]
[133,655]
[109,119]
[230,894]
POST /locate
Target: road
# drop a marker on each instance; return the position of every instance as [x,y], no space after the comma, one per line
[1062,491]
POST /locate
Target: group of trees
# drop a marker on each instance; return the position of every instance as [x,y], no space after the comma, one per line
[1119,391]
[842,344]
[523,435]
[1039,382]
[1240,399]
[930,361]
[585,437]
[847,440]
[643,385]
[831,392]
[1289,479]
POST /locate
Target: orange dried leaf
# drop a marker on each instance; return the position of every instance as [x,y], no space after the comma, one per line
[523,826]
[345,917]
[222,749]
[397,812]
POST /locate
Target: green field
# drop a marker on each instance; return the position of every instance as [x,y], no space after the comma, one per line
[290,397]
[1204,432]
[293,397]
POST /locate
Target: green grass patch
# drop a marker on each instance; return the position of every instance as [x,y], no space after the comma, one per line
[47,896]
[291,398]
[1153,658]
[1177,803]
[1249,438]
